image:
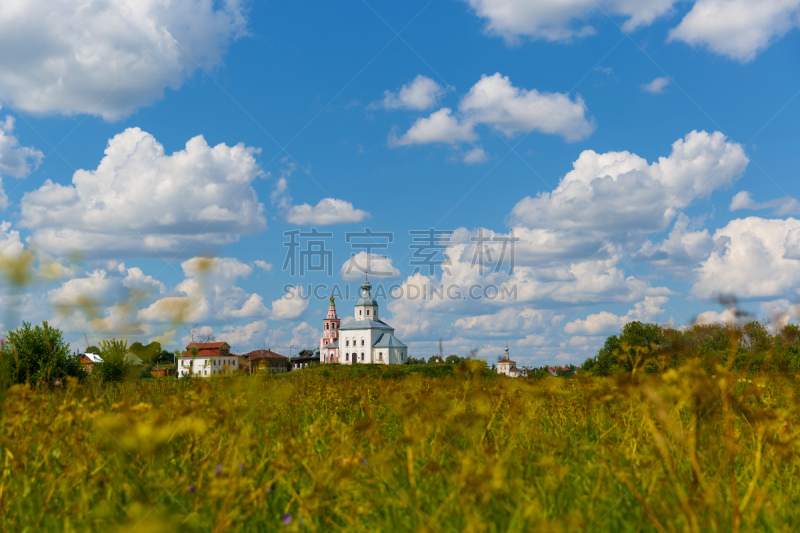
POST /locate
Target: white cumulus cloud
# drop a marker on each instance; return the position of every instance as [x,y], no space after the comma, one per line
[780,206]
[656,86]
[738,29]
[108,57]
[140,201]
[494,101]
[327,211]
[606,323]
[359,264]
[758,258]
[562,20]
[420,94]
[621,193]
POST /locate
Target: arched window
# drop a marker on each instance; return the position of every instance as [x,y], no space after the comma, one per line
[362,342]
[362,356]
[359,312]
[347,342]
[347,357]
[367,312]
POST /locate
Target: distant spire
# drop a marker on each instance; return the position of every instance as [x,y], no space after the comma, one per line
[506,349]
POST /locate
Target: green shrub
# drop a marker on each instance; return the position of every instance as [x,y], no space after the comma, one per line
[37,355]
[115,366]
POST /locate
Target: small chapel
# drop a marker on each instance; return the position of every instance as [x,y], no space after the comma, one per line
[364,339]
[507,367]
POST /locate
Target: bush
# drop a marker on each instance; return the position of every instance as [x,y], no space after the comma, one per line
[115,366]
[37,355]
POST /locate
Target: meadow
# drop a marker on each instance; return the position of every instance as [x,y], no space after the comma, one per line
[434,448]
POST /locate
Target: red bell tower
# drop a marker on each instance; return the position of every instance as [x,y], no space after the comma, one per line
[330,328]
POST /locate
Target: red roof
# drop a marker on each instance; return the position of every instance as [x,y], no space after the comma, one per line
[207,345]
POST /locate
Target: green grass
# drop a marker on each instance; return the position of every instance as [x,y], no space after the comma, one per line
[413,448]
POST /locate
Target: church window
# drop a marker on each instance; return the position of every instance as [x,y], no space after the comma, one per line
[362,342]
[347,342]
[359,312]
[367,312]
[362,356]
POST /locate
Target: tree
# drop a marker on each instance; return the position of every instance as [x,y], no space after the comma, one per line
[453,359]
[198,334]
[435,359]
[148,354]
[115,366]
[38,355]
[92,349]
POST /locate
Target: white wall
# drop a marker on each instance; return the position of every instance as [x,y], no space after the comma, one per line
[206,367]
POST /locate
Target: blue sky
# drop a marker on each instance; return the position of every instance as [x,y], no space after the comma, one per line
[644,153]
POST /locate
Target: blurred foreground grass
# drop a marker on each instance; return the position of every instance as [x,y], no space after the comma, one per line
[404,449]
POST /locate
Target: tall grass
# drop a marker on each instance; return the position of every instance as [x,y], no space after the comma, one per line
[357,449]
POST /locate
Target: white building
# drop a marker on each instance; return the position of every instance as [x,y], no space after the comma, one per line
[367,339]
[507,367]
[206,359]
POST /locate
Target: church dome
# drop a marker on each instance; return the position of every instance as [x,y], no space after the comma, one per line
[366,298]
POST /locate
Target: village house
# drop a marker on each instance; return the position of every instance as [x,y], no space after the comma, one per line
[266,361]
[88,360]
[206,359]
[305,358]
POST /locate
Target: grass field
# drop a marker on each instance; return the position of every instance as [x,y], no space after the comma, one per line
[432,448]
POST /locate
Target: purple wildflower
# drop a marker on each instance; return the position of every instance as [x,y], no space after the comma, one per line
[192,488]
[241,467]
[287,519]
[219,469]
[363,461]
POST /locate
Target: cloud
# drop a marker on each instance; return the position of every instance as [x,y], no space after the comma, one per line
[139,201]
[510,322]
[620,194]
[421,94]
[15,160]
[109,58]
[738,29]
[292,305]
[475,156]
[561,20]
[10,243]
[305,336]
[780,206]
[207,294]
[328,211]
[494,101]
[440,127]
[606,323]
[681,250]
[239,337]
[712,317]
[263,265]
[379,266]
[656,86]
[758,258]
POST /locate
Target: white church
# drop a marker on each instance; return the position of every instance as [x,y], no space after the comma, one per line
[365,339]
